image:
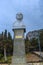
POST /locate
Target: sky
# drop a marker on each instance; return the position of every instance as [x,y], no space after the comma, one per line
[32,11]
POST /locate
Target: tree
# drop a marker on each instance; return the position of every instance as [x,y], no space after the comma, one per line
[9,36]
[1,45]
[41,39]
[4,44]
[34,43]
[4,41]
[27,45]
[9,47]
[5,34]
[9,44]
[1,50]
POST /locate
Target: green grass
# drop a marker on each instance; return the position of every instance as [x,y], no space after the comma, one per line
[9,59]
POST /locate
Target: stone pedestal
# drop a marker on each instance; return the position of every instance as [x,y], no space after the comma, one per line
[18,61]
[19,43]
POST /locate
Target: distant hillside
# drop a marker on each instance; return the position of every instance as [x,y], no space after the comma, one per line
[33,34]
[36,39]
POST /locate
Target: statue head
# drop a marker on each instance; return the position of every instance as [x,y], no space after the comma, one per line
[19,16]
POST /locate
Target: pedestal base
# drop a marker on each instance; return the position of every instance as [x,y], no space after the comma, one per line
[18,61]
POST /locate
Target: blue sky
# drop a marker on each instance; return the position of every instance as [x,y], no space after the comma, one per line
[32,11]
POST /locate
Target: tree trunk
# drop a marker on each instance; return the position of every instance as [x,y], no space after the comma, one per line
[5,54]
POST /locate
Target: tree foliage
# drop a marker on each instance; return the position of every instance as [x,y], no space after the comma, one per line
[41,40]
[27,45]
[34,44]
[6,42]
[9,36]
[5,34]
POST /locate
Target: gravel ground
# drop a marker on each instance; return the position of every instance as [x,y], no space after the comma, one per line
[3,64]
[28,64]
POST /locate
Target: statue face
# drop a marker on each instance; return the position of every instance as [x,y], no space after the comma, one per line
[19,16]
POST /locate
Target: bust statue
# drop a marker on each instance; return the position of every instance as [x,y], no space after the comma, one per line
[19,24]
[19,16]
